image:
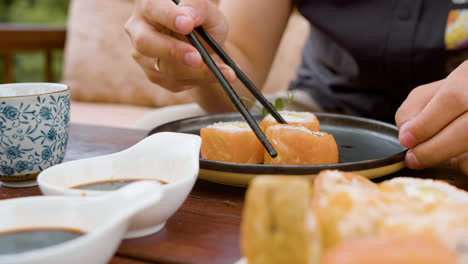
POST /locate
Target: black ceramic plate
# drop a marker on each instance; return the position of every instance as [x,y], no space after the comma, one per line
[365,146]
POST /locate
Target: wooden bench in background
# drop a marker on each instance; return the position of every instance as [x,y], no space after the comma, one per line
[16,38]
[23,38]
[32,38]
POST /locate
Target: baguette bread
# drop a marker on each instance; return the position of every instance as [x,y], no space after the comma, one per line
[351,212]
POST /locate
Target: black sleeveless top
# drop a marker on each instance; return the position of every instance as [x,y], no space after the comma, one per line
[363,57]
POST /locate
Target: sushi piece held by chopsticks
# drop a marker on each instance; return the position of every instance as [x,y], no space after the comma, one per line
[299,146]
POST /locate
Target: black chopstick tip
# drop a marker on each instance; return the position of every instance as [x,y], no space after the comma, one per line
[272,153]
[227,87]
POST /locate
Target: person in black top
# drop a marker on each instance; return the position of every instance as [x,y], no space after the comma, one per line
[366,58]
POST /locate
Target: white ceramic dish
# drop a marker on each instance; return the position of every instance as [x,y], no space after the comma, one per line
[242,261]
[171,157]
[104,220]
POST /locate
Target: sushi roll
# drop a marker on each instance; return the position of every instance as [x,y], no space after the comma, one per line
[231,142]
[297,145]
[304,119]
[278,222]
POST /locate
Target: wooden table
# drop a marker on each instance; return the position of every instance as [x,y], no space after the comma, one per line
[206,228]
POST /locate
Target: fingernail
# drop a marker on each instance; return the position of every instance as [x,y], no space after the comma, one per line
[193,59]
[228,73]
[190,11]
[406,138]
[182,23]
[412,161]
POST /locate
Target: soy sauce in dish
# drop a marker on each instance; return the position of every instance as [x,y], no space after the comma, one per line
[110,185]
[27,239]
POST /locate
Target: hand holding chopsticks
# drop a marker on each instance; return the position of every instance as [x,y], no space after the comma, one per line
[227,87]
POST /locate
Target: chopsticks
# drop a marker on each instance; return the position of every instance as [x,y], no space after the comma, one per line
[227,87]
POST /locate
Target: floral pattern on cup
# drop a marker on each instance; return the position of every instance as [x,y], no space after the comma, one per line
[33,136]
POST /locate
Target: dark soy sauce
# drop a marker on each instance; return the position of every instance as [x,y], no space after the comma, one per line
[110,185]
[23,240]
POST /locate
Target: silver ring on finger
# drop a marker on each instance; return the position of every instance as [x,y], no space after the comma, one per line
[156,64]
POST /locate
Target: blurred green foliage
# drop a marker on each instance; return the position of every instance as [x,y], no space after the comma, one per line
[29,67]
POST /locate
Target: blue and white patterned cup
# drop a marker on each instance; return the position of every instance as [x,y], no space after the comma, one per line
[34,126]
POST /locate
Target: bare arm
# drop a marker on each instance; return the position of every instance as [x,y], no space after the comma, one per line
[255,30]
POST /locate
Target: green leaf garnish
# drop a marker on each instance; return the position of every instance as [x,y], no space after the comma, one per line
[264,112]
[279,103]
[291,96]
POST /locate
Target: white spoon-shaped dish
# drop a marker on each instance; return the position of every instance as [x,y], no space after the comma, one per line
[167,156]
[103,219]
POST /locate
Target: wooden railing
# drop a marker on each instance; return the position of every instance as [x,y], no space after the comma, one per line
[22,38]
